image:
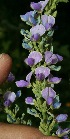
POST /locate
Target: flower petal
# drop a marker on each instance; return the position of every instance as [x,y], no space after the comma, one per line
[44,19]
[48,55]
[45,93]
[57,105]
[38,29]
[11,77]
[26,16]
[22,83]
[54,80]
[40,76]
[32,20]
[11,96]
[29,61]
[43,3]
[61,117]
[63,132]
[60,58]
[35,6]
[53,59]
[51,20]
[37,56]
[48,21]
[44,70]
[49,100]
[28,77]
[7,103]
[18,94]
[29,100]
[35,37]
[52,93]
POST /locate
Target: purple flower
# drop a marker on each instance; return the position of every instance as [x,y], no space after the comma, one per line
[29,17]
[63,132]
[43,3]
[66,137]
[11,77]
[56,103]
[39,6]
[49,100]
[28,77]
[29,100]
[18,94]
[33,58]
[54,80]
[51,58]
[42,72]
[35,37]
[36,6]
[37,30]
[48,94]
[9,97]
[48,21]
[7,103]
[23,83]
[32,20]
[61,117]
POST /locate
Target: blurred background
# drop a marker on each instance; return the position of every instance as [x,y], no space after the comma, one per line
[11,43]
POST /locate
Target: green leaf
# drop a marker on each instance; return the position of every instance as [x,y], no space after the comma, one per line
[62,1]
[52,125]
[22,119]
[16,108]
[54,14]
[33,112]
[29,122]
[50,33]
[10,116]
[26,46]
[55,68]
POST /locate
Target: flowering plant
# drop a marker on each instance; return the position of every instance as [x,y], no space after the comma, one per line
[42,60]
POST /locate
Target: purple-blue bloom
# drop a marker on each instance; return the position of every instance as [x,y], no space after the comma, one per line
[38,29]
[61,117]
[54,80]
[48,94]
[7,103]
[35,37]
[42,72]
[63,132]
[18,94]
[33,58]
[9,97]
[39,6]
[29,17]
[48,21]
[43,3]
[49,100]
[23,83]
[56,103]
[29,100]
[36,6]
[11,77]
[51,58]
[28,77]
